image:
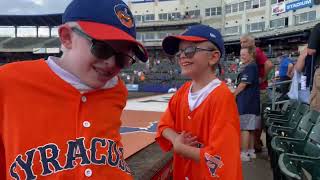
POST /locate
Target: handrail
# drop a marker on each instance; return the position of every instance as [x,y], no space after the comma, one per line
[273,94]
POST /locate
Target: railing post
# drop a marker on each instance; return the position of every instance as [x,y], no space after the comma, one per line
[273,100]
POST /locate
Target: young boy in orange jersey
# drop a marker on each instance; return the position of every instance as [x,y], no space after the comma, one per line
[201,122]
[60,118]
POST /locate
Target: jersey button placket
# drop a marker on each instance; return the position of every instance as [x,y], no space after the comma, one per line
[84,99]
[86,124]
[88,172]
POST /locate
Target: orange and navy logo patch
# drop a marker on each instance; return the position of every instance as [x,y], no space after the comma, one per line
[124,15]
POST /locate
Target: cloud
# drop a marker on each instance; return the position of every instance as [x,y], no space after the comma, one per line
[38,2]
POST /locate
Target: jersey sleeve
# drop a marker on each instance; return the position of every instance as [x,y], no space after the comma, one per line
[220,158]
[166,121]
[248,75]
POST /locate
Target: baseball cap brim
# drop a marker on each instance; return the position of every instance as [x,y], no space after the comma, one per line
[170,44]
[105,32]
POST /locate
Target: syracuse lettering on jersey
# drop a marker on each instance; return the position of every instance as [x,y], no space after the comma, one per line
[50,153]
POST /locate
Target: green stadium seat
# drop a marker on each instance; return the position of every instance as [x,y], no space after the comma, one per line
[293,166]
[295,140]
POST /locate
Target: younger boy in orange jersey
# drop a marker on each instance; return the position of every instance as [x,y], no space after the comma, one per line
[201,122]
[60,118]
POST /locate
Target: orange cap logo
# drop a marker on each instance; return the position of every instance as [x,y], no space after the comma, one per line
[124,15]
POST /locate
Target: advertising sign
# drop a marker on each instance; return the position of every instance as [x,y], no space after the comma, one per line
[298,4]
[278,8]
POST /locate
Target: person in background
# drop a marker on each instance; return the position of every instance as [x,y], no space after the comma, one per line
[308,63]
[248,102]
[285,74]
[264,66]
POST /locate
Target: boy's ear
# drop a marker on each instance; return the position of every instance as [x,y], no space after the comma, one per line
[65,36]
[214,57]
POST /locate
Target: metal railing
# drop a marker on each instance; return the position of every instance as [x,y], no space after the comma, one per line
[273,94]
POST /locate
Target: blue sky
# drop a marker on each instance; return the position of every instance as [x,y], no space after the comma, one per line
[21,7]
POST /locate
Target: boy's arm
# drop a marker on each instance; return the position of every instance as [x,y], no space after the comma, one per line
[182,144]
[186,150]
[169,134]
[165,133]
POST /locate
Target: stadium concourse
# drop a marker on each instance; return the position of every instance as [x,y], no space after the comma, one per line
[145,158]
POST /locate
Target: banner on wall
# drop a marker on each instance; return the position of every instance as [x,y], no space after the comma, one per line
[132,87]
[298,4]
[278,8]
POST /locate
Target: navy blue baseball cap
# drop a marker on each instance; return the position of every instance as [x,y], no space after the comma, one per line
[196,33]
[105,20]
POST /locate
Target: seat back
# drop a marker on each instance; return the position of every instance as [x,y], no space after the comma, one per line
[306,124]
[298,114]
[312,147]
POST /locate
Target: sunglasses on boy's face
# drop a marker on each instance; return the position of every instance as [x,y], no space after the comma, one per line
[189,52]
[103,50]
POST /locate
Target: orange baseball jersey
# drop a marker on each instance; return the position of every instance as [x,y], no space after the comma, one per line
[215,122]
[48,130]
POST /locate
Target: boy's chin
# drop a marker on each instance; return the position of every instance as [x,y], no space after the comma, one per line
[186,74]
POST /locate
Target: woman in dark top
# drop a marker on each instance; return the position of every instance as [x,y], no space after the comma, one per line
[248,101]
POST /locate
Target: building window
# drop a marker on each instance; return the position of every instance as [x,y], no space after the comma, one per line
[256,27]
[174,16]
[139,36]
[234,8]
[207,12]
[162,35]
[262,3]
[241,6]
[248,4]
[149,36]
[137,18]
[213,11]
[277,23]
[194,13]
[219,10]
[305,17]
[234,30]
[228,9]
[149,17]
[163,16]
[255,4]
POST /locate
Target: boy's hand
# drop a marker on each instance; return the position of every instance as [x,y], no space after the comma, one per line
[184,138]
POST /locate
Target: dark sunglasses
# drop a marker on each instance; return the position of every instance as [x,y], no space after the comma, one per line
[103,50]
[189,52]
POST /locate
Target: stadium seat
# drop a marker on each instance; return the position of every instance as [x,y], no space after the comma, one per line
[280,125]
[294,140]
[294,166]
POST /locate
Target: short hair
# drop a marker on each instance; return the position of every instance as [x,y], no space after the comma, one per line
[248,37]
